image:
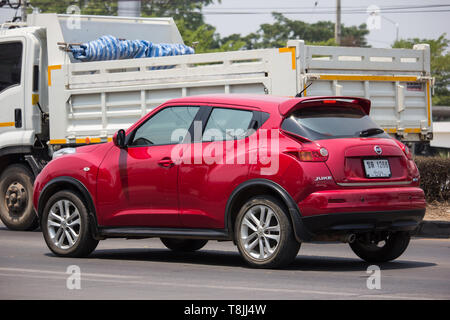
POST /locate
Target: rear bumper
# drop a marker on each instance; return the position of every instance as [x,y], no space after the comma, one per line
[362,200]
[360,222]
[362,210]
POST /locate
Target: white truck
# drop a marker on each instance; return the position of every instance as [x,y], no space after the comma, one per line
[48,100]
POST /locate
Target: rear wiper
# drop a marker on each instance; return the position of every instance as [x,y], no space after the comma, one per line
[370,132]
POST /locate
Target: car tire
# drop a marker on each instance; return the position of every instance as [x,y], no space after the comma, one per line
[16,193]
[265,242]
[67,209]
[393,247]
[184,245]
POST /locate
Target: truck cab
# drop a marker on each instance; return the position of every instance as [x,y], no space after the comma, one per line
[22,122]
[20,81]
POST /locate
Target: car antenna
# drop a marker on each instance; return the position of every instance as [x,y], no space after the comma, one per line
[299,95]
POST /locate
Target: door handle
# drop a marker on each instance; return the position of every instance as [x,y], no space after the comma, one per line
[166,163]
[18,118]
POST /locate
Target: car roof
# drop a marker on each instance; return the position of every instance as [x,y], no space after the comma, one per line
[266,103]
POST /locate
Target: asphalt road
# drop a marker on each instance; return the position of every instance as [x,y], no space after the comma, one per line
[144,269]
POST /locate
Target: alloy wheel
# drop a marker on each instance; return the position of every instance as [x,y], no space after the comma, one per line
[64,224]
[260,232]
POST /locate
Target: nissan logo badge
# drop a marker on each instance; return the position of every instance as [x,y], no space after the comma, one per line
[378,150]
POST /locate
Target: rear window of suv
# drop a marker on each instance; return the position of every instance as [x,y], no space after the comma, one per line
[332,122]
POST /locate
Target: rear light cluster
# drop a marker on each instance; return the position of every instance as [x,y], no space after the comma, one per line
[412,168]
[311,154]
[405,149]
[310,151]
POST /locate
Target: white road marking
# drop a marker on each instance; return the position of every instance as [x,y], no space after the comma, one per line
[199,286]
[100,275]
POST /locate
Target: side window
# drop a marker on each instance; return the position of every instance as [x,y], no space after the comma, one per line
[227,124]
[10,64]
[165,127]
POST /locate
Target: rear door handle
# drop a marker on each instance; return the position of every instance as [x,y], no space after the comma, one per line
[166,163]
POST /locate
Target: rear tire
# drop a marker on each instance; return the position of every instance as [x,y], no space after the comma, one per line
[264,233]
[393,247]
[66,226]
[184,245]
[16,192]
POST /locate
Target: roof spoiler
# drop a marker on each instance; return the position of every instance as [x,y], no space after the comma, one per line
[289,106]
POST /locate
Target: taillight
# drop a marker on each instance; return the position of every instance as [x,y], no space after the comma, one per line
[407,152]
[311,154]
[405,149]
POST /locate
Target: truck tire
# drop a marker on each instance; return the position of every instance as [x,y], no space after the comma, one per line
[393,247]
[66,226]
[184,245]
[16,194]
[264,233]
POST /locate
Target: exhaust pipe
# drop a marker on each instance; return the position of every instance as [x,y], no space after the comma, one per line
[350,238]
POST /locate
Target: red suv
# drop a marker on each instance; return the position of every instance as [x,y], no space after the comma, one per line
[266,172]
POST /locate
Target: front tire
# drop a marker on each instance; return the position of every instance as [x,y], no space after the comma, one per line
[383,251]
[65,225]
[184,245]
[16,205]
[264,233]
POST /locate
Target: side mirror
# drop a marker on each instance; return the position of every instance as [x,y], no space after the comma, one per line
[119,139]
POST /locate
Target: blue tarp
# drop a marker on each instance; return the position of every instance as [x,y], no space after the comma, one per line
[111,48]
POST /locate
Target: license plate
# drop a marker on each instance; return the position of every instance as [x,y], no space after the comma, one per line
[377,168]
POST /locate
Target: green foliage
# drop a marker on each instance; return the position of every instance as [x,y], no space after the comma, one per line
[329,42]
[104,7]
[273,35]
[202,38]
[189,19]
[53,6]
[434,177]
[278,33]
[205,39]
[188,11]
[440,65]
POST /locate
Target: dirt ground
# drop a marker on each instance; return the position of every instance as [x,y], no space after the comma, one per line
[438,211]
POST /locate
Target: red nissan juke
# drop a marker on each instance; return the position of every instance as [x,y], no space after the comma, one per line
[266,172]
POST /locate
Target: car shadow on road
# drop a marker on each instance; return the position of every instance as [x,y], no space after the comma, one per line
[233,259]
[322,263]
[5,229]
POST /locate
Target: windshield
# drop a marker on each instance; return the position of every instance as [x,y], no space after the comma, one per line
[331,122]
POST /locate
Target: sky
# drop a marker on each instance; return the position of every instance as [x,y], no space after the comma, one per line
[420,24]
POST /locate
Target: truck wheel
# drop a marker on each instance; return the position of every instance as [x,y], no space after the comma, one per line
[16,192]
[184,245]
[65,225]
[264,233]
[383,251]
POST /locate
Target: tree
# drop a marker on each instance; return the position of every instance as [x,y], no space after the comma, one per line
[195,32]
[93,7]
[190,22]
[104,8]
[440,65]
[278,33]
[188,11]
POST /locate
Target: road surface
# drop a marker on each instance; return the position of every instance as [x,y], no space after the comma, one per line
[144,269]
